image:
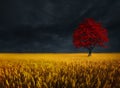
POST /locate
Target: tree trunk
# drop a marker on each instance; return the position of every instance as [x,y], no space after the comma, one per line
[90,52]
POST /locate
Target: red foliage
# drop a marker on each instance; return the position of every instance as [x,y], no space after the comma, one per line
[90,34]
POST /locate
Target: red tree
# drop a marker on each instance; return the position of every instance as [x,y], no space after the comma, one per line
[90,34]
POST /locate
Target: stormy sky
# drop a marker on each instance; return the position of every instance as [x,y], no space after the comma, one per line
[48,25]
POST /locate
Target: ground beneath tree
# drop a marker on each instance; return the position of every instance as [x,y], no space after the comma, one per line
[72,70]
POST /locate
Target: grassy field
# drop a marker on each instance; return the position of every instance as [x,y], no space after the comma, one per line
[101,70]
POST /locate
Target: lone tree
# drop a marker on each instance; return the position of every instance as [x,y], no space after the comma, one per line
[90,34]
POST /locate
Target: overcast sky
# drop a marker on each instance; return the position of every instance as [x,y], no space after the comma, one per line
[47,25]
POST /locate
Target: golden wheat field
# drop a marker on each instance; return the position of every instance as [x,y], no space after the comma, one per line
[101,70]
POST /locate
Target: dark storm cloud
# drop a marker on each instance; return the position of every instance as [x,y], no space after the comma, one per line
[47,26]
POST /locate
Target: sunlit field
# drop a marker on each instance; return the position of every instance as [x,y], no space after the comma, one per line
[101,70]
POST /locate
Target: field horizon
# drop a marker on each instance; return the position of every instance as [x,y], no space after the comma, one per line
[59,70]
